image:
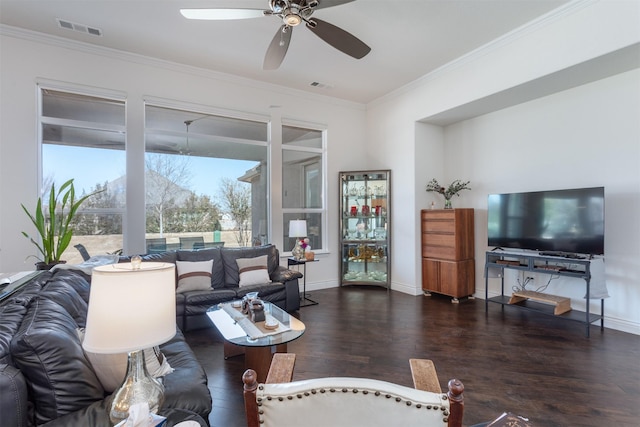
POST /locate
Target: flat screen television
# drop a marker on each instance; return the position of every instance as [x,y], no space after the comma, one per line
[563,221]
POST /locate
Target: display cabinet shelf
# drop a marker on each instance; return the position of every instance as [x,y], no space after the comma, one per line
[364,228]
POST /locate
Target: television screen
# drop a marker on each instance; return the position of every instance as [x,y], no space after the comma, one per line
[568,221]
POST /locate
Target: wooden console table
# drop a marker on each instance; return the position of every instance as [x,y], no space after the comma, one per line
[553,305]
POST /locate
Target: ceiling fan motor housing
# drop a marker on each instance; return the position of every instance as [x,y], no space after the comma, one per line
[293,12]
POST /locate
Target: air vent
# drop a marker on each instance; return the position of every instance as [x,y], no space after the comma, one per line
[320,85]
[67,25]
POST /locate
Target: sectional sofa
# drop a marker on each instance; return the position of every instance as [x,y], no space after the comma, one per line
[278,285]
[47,379]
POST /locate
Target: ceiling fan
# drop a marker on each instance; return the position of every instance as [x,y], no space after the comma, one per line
[292,13]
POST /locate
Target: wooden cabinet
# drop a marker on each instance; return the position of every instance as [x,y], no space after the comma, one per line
[448,265]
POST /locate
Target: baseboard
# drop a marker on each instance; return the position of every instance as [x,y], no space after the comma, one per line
[405,288]
[316,286]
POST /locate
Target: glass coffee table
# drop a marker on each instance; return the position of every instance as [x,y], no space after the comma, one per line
[253,340]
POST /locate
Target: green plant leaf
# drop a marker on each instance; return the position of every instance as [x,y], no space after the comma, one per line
[55,232]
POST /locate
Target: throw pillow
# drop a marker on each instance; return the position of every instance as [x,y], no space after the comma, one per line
[112,368]
[194,275]
[253,271]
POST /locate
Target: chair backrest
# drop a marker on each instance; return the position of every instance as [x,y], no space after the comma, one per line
[83,251]
[157,244]
[349,402]
[192,242]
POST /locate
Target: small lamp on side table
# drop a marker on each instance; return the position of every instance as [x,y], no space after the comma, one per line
[298,229]
[132,307]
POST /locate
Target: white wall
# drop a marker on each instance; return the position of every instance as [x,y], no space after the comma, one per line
[585,136]
[29,58]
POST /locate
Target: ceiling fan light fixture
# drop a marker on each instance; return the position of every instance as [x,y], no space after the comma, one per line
[291,19]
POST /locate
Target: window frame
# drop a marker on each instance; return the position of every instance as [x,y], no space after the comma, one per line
[322,210]
[43,85]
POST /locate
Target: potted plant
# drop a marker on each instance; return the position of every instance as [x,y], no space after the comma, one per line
[54,225]
[454,188]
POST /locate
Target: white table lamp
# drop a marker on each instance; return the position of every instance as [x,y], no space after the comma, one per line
[132,307]
[297,229]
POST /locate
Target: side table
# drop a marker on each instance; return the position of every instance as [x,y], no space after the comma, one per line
[305,301]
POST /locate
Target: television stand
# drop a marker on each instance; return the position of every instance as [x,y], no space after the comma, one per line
[552,305]
[560,254]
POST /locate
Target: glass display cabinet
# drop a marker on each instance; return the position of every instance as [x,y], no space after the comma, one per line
[365,212]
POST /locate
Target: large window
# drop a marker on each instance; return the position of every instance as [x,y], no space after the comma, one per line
[302,182]
[206,180]
[206,173]
[83,138]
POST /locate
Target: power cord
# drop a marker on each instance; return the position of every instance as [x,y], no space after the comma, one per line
[525,281]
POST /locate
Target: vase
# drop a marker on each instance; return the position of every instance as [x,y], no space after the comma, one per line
[447,204]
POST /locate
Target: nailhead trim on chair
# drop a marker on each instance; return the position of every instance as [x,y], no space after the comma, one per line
[444,397]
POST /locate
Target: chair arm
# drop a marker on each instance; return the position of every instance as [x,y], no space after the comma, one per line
[281,370]
[283,274]
[425,378]
[424,375]
[456,402]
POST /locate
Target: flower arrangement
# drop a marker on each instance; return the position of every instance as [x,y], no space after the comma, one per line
[453,190]
[298,251]
[304,243]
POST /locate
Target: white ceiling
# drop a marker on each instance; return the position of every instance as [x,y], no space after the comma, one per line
[408,38]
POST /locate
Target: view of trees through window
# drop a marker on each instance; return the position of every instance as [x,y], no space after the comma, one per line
[201,173]
[83,138]
[206,176]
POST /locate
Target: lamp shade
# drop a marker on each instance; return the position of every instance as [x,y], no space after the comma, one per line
[130,309]
[298,228]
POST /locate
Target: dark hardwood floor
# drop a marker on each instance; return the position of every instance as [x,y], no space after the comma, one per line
[510,360]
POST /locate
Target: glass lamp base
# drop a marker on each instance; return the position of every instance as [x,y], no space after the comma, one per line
[298,251]
[137,387]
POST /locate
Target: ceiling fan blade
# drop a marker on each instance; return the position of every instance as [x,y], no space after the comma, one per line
[278,48]
[323,4]
[221,14]
[339,38]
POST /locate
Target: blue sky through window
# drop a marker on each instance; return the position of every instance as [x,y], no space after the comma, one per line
[91,166]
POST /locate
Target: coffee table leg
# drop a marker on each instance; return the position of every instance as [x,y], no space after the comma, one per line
[231,350]
[259,359]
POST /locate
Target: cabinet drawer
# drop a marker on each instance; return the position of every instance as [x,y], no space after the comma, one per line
[438,214]
[440,252]
[438,239]
[447,226]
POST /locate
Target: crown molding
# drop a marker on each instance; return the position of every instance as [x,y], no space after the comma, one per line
[87,48]
[504,40]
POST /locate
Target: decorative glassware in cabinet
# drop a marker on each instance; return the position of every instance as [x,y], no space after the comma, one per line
[364,228]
